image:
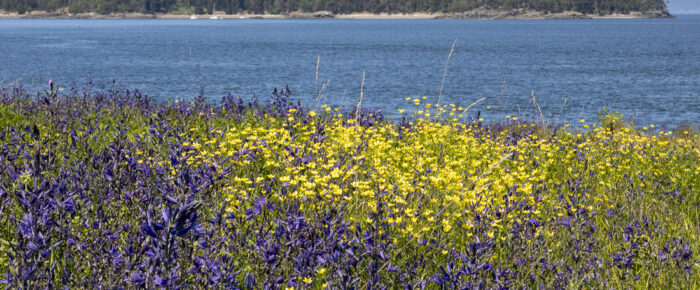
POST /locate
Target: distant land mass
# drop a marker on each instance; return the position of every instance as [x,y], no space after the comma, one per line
[683,5]
[466,9]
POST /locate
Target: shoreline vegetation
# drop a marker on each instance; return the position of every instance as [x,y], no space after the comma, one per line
[481,13]
[113,190]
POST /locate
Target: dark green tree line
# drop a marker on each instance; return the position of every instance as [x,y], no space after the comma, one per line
[335,6]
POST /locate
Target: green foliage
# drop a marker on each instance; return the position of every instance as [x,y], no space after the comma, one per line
[613,120]
[20,8]
[335,6]
[604,206]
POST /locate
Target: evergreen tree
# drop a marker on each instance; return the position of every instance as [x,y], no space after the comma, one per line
[336,6]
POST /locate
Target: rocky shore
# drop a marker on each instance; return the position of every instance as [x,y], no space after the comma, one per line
[481,13]
[485,13]
[65,15]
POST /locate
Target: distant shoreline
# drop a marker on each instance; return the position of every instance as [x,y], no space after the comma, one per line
[472,14]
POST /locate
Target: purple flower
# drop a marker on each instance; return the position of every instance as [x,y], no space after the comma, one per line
[137,278]
[566,222]
[249,281]
[160,281]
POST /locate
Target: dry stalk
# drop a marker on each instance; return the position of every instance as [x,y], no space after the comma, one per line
[464,114]
[444,74]
[537,106]
[359,104]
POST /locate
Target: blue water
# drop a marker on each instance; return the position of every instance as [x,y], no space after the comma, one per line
[649,69]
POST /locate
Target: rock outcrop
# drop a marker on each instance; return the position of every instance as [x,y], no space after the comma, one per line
[490,13]
[311,15]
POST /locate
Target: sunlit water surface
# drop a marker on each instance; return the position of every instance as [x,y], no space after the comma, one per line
[649,69]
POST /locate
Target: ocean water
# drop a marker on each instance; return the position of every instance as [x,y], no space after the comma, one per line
[648,69]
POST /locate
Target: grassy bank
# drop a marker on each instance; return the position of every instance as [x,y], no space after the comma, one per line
[113,190]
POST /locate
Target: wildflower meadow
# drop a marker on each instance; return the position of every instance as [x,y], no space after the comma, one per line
[114,190]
